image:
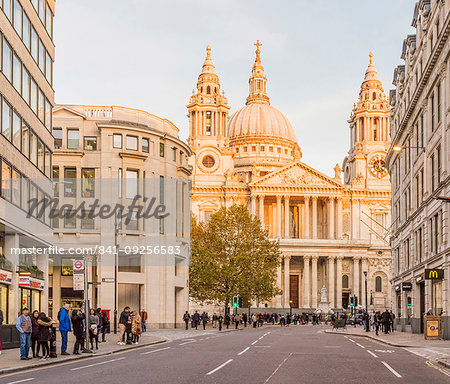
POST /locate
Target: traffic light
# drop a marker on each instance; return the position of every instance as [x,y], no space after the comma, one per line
[355,301]
[351,301]
[235,301]
[240,302]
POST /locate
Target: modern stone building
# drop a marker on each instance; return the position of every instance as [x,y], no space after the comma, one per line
[114,154]
[419,164]
[26,146]
[330,231]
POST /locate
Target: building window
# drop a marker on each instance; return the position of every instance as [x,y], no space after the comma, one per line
[70,219]
[438,165]
[6,120]
[7,60]
[161,201]
[87,219]
[432,113]
[66,266]
[419,244]
[90,143]
[174,154]
[57,135]
[345,281]
[132,221]
[433,170]
[17,73]
[6,180]
[131,186]
[88,182]
[70,182]
[145,145]
[132,143]
[72,138]
[117,141]
[16,130]
[161,149]
[378,284]
[208,161]
[438,94]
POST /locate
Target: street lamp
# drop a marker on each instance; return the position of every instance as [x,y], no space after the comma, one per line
[365,284]
[290,309]
[371,299]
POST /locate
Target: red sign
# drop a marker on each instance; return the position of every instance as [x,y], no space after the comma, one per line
[78,266]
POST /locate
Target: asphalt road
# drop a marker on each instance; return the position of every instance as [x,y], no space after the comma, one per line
[298,354]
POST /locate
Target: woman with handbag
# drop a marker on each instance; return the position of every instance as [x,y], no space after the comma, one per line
[93,323]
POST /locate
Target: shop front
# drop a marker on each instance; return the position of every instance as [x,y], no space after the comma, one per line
[30,290]
[5,282]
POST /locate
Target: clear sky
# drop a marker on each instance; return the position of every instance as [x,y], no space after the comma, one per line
[148,55]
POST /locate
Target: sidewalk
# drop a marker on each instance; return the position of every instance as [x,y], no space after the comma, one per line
[10,358]
[395,339]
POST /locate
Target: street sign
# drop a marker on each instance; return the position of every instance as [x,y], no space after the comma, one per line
[434,274]
[406,286]
[108,280]
[78,265]
[78,281]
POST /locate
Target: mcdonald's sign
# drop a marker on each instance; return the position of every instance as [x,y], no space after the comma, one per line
[434,274]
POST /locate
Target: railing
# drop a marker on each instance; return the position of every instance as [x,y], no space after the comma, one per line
[99,112]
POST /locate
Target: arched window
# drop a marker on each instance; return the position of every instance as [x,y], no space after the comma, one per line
[374,96]
[378,284]
[345,281]
[208,90]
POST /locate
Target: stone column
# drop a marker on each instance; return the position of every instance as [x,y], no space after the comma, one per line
[306,217]
[356,277]
[286,217]
[314,217]
[261,209]
[306,281]
[278,220]
[12,241]
[278,297]
[363,282]
[339,218]
[331,294]
[331,217]
[253,205]
[314,260]
[287,271]
[339,281]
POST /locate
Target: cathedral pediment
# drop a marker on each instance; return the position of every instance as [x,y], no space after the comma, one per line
[296,174]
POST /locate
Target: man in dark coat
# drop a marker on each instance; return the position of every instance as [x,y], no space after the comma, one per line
[78,330]
[123,321]
[196,318]
[186,318]
[204,319]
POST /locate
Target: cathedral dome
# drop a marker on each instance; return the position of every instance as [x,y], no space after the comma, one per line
[260,120]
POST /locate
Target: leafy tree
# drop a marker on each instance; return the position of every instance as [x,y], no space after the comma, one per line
[232,255]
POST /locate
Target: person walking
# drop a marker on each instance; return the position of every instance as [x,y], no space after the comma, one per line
[44,334]
[186,318]
[64,327]
[23,325]
[196,319]
[98,312]
[244,319]
[105,325]
[227,320]
[123,321]
[93,324]
[136,327]
[220,321]
[78,318]
[144,317]
[35,346]
[204,318]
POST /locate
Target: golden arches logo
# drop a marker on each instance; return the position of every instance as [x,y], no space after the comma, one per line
[433,274]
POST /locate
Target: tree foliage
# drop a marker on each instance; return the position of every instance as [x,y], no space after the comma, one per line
[232,255]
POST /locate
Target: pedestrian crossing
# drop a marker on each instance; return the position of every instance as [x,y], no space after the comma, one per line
[430,353]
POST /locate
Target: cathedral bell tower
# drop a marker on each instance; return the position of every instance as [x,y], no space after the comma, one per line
[208,109]
[369,134]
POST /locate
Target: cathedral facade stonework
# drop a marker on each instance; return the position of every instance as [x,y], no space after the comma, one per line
[332,232]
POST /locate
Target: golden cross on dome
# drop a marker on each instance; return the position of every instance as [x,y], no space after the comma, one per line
[370,58]
[257,44]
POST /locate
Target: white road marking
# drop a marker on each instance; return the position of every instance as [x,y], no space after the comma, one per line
[21,381]
[95,364]
[273,373]
[242,352]
[353,341]
[373,354]
[391,369]
[155,350]
[346,337]
[384,350]
[254,342]
[188,342]
[219,367]
[359,345]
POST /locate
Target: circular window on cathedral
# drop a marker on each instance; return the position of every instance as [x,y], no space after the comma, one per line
[208,161]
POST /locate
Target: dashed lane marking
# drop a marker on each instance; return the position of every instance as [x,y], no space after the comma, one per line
[373,354]
[188,342]
[359,345]
[21,381]
[95,364]
[154,350]
[391,369]
[353,341]
[242,352]
[219,367]
[255,342]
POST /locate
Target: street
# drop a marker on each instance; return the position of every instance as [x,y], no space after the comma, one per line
[296,354]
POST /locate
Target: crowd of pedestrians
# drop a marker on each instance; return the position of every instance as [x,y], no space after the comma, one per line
[37,332]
